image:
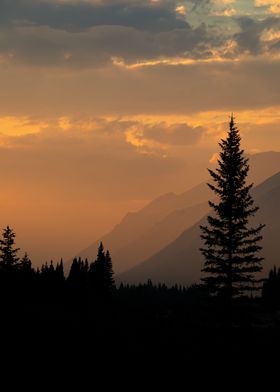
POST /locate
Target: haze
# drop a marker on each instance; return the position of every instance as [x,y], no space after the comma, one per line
[107,104]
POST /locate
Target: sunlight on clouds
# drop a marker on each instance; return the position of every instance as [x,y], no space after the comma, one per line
[225,53]
[203,119]
[270,35]
[273,5]
[18,126]
[222,2]
[217,57]
[227,12]
[275,9]
[213,121]
[133,137]
[64,123]
[181,9]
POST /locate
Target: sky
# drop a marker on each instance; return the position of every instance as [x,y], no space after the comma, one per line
[106,104]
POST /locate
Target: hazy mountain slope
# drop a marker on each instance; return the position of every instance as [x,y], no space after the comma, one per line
[181,261]
[159,235]
[263,165]
[141,234]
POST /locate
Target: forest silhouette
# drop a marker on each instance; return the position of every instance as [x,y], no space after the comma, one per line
[170,319]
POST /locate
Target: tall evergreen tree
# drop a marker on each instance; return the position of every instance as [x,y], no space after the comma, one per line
[59,270]
[25,263]
[25,266]
[231,245]
[109,273]
[101,273]
[8,253]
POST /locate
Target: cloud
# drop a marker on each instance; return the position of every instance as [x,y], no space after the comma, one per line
[226,12]
[181,10]
[92,34]
[79,16]
[224,2]
[249,39]
[273,5]
[175,134]
[159,90]
[88,34]
[90,160]
[42,46]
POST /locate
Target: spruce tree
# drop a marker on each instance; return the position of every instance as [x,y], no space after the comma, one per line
[109,273]
[25,263]
[101,273]
[59,270]
[25,266]
[8,253]
[231,244]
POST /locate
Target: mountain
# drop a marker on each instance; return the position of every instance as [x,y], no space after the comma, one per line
[263,165]
[143,233]
[181,261]
[161,234]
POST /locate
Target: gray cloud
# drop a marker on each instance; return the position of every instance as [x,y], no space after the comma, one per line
[88,34]
[249,38]
[95,47]
[78,16]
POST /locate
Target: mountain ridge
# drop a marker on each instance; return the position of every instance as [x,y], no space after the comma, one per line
[181,262]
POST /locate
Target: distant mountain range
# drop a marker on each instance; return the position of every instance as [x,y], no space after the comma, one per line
[143,233]
[156,241]
[181,261]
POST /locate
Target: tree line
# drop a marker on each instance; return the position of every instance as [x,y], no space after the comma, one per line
[231,249]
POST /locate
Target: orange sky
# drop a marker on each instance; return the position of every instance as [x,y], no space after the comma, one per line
[108,104]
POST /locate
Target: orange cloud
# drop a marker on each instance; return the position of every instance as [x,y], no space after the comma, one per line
[217,57]
[226,12]
[17,126]
[270,35]
[224,1]
[273,5]
[209,118]
[181,9]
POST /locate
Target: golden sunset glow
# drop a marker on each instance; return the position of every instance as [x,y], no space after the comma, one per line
[120,102]
[273,5]
[17,126]
[181,9]
[216,58]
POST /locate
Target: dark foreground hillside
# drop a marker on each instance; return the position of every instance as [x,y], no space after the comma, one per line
[144,323]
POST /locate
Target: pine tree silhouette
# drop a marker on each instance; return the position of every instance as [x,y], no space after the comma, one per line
[8,253]
[25,263]
[77,281]
[25,268]
[230,243]
[59,271]
[109,273]
[74,272]
[271,288]
[101,273]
